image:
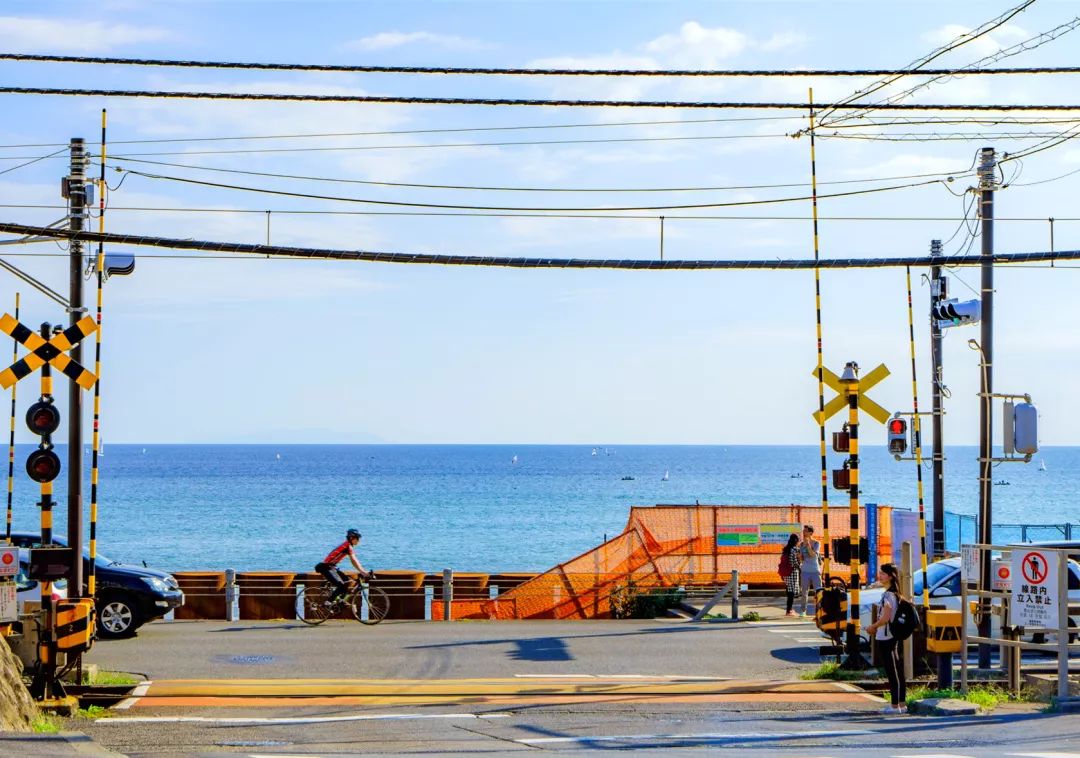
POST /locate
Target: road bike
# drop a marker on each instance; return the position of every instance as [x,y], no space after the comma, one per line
[367,604]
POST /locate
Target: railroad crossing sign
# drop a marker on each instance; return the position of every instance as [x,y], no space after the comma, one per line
[44,351]
[874,410]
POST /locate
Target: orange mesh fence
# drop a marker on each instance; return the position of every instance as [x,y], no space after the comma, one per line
[674,545]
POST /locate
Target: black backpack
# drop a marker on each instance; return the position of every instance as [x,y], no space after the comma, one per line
[905,621]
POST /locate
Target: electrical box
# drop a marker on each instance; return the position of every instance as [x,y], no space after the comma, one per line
[74,625]
[943,631]
[1026,428]
[50,564]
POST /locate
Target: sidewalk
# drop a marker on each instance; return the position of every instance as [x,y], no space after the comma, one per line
[62,743]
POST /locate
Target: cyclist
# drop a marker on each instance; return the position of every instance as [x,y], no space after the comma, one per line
[329,570]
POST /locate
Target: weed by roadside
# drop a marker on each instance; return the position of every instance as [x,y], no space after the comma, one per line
[109,678]
[751,616]
[832,670]
[45,723]
[986,696]
[92,712]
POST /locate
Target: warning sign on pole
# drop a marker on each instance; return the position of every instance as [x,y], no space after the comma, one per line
[9,561]
[1035,588]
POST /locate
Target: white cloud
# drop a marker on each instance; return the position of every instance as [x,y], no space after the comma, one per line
[390,40]
[696,46]
[783,41]
[21,35]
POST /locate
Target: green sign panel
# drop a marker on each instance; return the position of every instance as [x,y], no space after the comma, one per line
[737,535]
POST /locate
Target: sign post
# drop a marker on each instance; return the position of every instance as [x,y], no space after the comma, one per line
[1035,589]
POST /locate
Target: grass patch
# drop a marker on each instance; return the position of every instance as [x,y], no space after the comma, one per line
[832,670]
[986,696]
[109,678]
[92,712]
[714,616]
[751,616]
[45,723]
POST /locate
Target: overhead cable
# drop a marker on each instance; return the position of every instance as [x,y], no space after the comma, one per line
[520,262]
[534,102]
[492,71]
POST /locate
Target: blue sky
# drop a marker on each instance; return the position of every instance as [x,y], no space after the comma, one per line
[297,351]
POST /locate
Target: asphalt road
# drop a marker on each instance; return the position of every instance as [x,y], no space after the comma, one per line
[395,650]
[511,687]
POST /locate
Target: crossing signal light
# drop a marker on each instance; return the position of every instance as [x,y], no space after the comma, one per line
[897,429]
[43,418]
[955,313]
[1021,428]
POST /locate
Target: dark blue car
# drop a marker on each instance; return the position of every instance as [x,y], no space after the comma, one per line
[127,596]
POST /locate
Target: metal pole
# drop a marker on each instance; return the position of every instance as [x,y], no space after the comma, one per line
[850,380]
[987,167]
[447,593]
[916,427]
[11,441]
[76,221]
[1063,625]
[937,293]
[827,568]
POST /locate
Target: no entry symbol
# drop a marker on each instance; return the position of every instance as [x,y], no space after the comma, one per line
[1035,568]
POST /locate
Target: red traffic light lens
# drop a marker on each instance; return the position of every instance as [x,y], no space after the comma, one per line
[43,418]
[897,426]
[43,466]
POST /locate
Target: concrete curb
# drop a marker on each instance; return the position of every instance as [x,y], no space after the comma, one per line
[61,743]
[944,707]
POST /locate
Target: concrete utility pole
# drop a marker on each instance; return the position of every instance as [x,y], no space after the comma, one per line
[937,286]
[987,168]
[76,191]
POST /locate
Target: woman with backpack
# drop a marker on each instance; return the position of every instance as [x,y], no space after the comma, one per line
[789,571]
[889,577]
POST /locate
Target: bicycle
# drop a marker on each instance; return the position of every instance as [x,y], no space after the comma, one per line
[367,604]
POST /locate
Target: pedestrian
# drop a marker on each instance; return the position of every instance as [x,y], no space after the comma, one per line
[889,577]
[789,571]
[809,568]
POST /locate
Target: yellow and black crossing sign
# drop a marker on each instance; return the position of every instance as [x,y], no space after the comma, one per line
[875,411]
[44,351]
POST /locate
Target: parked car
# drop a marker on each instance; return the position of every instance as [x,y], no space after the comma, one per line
[944,583]
[127,596]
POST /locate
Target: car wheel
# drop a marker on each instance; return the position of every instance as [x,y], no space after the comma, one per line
[117,617]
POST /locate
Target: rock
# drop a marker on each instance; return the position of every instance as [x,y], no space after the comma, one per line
[944,707]
[17,709]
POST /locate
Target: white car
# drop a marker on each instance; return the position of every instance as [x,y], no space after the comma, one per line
[30,589]
[944,583]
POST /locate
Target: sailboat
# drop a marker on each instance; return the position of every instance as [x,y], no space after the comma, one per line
[594,451]
[514,459]
[666,476]
[1042,465]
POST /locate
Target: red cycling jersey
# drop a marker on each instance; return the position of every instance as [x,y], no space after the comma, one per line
[339,552]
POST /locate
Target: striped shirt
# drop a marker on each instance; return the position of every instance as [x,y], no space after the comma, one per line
[339,552]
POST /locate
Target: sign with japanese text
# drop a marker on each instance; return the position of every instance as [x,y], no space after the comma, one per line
[9,607]
[9,561]
[777,534]
[969,563]
[1035,588]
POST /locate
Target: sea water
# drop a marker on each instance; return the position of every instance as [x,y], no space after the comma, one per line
[479,507]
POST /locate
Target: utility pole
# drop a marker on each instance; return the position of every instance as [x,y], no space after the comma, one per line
[987,167]
[76,193]
[938,292]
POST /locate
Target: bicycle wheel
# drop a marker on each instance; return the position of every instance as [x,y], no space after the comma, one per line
[311,605]
[370,605]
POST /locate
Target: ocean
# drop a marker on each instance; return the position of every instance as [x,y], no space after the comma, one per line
[478,507]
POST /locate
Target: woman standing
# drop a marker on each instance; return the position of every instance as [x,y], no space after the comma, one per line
[789,561]
[889,577]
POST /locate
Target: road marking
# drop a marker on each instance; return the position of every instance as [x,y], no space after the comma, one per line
[137,693]
[257,720]
[712,737]
[1047,755]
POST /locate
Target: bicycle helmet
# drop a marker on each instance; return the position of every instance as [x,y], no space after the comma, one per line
[353,533]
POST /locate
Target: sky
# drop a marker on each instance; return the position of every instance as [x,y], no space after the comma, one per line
[201,349]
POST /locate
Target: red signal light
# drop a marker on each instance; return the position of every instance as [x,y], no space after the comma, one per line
[43,466]
[897,426]
[43,418]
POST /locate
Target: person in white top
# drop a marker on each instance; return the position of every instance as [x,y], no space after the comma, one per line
[889,577]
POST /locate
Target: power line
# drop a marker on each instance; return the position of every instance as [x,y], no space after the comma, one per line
[33,161]
[339,180]
[518,262]
[585,216]
[535,102]
[447,206]
[490,71]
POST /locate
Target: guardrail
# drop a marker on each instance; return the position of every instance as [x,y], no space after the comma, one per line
[414,595]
